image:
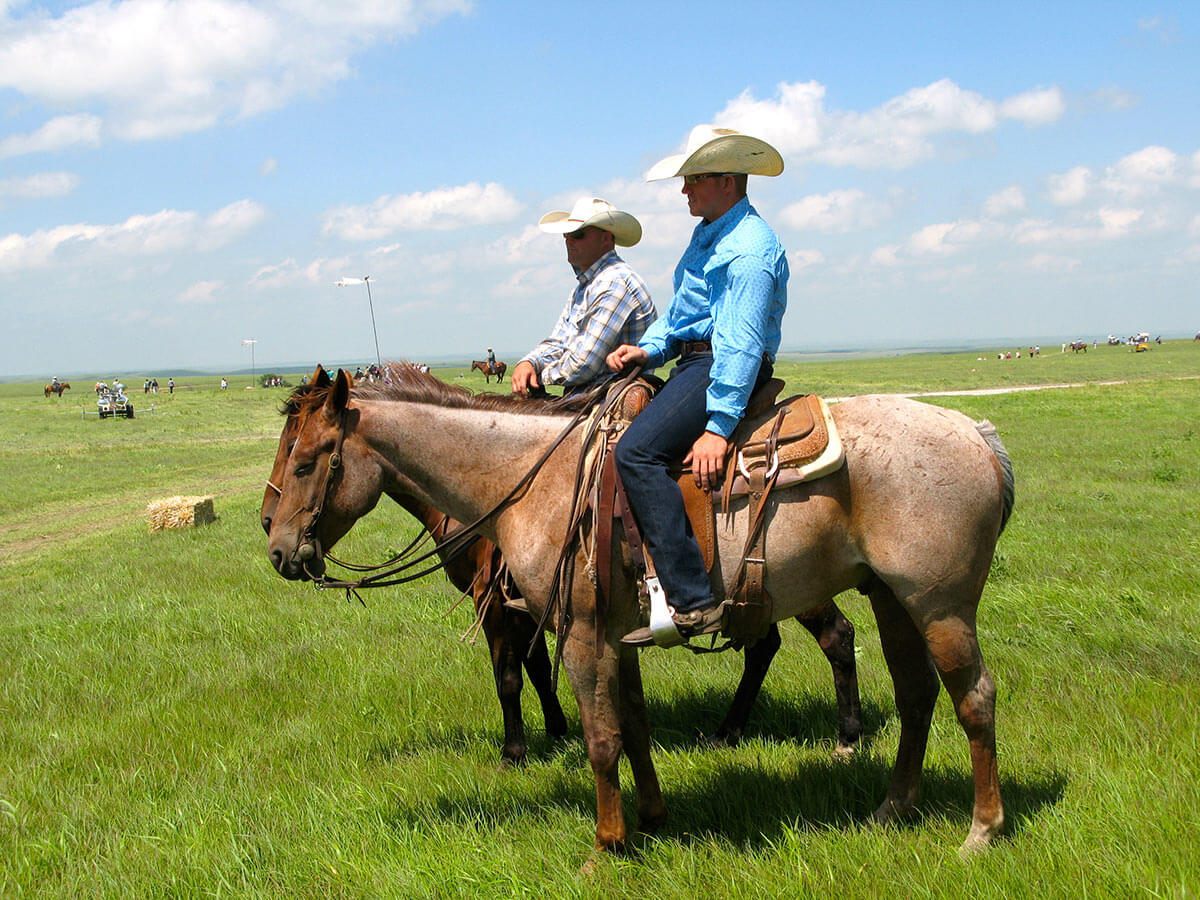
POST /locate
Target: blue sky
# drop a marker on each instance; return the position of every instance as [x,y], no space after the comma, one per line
[176,177]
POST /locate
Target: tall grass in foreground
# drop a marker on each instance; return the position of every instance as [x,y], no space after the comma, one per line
[175,720]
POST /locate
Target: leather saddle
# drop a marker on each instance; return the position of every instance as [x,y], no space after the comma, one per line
[776,445]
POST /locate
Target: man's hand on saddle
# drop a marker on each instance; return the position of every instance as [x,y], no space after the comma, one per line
[707,459]
[524,377]
[625,356]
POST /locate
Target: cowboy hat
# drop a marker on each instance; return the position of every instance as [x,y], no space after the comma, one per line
[713,149]
[596,213]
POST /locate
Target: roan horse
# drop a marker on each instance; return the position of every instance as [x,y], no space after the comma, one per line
[911,520]
[489,369]
[58,388]
[514,639]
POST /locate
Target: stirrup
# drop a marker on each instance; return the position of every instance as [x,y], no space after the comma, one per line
[662,623]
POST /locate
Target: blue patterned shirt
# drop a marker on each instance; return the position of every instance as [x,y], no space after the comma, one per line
[610,306]
[730,289]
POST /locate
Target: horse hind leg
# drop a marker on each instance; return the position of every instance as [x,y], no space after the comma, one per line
[835,636]
[915,683]
[505,649]
[945,647]
[756,661]
[532,642]
[955,650]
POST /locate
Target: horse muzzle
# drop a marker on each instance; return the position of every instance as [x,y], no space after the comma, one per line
[306,563]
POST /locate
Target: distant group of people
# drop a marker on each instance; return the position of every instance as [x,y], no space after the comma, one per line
[150,386]
[1033,351]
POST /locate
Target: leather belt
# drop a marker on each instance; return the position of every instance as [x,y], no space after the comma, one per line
[690,348]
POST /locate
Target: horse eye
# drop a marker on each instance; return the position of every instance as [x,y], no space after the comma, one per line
[304,469]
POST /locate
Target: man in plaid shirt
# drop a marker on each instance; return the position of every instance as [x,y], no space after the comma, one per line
[610,305]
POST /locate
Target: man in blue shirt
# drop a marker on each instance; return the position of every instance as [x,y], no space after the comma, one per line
[609,305]
[723,323]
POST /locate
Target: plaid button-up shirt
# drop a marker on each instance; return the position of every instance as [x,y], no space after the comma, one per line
[610,306]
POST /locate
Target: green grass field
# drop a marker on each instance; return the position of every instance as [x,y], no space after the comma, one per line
[178,721]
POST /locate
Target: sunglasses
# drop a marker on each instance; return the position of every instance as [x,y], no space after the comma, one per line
[696,179]
[577,235]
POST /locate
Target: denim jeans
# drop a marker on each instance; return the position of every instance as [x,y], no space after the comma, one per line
[660,437]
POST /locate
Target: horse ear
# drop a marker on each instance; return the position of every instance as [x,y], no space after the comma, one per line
[340,395]
[320,377]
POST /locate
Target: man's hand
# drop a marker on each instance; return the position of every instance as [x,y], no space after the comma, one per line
[524,377]
[707,458]
[626,355]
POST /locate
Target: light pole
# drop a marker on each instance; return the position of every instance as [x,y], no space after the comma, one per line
[251,342]
[366,279]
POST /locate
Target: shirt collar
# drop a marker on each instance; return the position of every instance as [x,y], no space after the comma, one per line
[706,234]
[591,271]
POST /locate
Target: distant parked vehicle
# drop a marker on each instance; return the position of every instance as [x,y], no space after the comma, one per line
[112,402]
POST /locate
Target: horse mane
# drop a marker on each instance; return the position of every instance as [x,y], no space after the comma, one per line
[405,382]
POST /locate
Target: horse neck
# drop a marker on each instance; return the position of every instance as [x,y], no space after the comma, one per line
[465,461]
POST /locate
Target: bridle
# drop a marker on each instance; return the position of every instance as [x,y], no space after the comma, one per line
[399,569]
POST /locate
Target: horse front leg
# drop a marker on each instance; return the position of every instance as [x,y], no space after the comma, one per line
[755,663]
[835,636]
[595,683]
[635,731]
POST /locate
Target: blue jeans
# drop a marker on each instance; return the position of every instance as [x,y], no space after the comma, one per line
[658,438]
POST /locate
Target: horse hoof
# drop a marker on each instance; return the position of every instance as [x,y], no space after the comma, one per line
[845,752]
[979,839]
[724,739]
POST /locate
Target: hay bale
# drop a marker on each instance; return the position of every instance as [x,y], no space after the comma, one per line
[180,512]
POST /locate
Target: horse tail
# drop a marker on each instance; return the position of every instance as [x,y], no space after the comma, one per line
[988,432]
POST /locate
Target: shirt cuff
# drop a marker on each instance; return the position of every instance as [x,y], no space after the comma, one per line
[721,423]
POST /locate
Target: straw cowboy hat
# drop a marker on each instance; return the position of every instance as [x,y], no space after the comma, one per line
[723,150]
[597,213]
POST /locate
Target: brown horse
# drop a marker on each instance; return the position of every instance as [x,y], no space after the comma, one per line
[58,388]
[1076,346]
[489,369]
[514,639]
[911,520]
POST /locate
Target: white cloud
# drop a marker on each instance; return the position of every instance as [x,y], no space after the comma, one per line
[202,292]
[1104,224]
[1007,200]
[42,184]
[164,67]
[268,166]
[1194,227]
[56,134]
[896,134]
[836,212]
[802,259]
[276,276]
[1071,187]
[439,210]
[943,238]
[1037,107]
[1047,262]
[1142,173]
[1113,97]
[140,235]
[887,255]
